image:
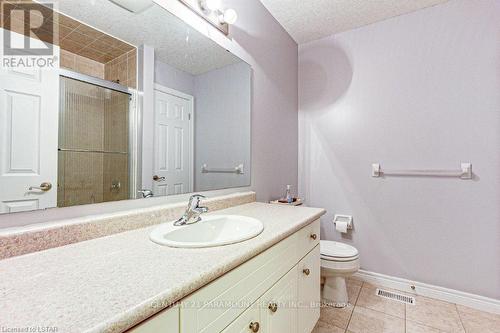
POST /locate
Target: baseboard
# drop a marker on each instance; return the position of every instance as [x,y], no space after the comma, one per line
[422,289]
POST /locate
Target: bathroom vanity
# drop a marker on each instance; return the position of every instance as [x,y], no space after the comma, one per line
[262,295]
[126,282]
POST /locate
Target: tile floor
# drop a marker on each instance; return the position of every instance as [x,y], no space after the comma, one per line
[369,313]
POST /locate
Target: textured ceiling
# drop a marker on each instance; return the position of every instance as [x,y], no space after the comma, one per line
[174,41]
[307,20]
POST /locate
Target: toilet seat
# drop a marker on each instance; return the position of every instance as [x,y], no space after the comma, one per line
[336,251]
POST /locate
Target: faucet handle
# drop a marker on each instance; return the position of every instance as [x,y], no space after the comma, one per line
[194,200]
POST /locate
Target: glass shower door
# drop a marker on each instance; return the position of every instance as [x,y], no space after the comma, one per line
[93,144]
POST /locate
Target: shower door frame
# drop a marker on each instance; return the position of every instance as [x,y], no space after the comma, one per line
[134,120]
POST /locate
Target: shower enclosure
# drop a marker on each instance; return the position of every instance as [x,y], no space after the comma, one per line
[93,151]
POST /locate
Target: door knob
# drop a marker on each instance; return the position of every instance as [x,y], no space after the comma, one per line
[45,186]
[254,327]
[157,178]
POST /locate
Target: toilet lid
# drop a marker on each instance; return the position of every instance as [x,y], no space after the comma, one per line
[331,249]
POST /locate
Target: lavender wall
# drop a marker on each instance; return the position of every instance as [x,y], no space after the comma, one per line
[222,100]
[173,78]
[222,126]
[260,40]
[416,91]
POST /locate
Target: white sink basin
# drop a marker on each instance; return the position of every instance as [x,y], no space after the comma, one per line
[212,230]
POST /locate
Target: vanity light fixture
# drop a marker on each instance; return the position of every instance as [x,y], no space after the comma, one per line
[228,16]
[211,4]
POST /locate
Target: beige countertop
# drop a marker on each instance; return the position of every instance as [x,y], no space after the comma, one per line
[112,283]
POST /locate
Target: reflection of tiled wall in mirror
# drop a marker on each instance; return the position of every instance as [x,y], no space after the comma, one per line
[122,70]
[81,64]
[83,49]
[93,160]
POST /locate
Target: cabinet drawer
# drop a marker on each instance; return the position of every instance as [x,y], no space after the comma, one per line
[166,321]
[308,238]
[309,292]
[215,306]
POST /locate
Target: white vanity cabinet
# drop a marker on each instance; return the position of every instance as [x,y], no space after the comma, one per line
[275,292]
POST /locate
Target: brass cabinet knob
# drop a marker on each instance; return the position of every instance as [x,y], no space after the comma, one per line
[254,326]
[314,236]
[306,271]
[273,307]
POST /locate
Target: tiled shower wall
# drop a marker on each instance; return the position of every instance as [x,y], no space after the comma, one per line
[122,69]
[81,64]
[93,119]
[115,165]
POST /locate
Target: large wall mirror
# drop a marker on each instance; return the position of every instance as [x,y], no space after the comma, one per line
[88,132]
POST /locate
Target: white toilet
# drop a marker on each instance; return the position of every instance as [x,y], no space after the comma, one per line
[338,261]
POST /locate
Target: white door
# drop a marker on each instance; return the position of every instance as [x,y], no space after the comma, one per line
[279,305]
[173,137]
[29,104]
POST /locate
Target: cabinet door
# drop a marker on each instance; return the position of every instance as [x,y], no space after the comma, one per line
[215,306]
[309,292]
[248,322]
[278,310]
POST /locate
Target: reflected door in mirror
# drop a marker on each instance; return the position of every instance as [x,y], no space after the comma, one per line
[28,139]
[173,153]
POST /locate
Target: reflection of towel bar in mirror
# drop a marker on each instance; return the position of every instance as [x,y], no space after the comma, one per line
[465,172]
[238,169]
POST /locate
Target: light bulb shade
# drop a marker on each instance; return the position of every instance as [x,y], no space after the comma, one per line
[213,4]
[230,16]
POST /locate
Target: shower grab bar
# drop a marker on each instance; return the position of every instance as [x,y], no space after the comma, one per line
[465,172]
[237,169]
[93,151]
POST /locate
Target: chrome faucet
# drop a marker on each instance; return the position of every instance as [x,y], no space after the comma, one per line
[193,211]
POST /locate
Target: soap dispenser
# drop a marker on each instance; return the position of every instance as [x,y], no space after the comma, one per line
[288,194]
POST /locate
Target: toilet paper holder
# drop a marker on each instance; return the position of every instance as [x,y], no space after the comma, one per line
[343,218]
